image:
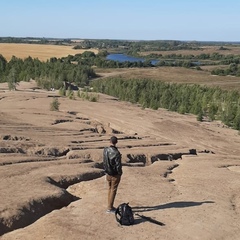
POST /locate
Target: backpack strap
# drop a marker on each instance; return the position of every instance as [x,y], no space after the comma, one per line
[116,214]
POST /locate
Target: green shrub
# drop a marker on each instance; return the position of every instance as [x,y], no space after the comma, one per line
[92,97]
[70,93]
[54,106]
[62,91]
[200,117]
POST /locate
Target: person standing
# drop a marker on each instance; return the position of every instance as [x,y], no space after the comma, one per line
[113,168]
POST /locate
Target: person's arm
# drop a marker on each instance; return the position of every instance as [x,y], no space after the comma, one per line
[105,159]
[118,161]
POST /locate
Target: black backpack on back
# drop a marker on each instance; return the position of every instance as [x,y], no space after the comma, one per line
[124,214]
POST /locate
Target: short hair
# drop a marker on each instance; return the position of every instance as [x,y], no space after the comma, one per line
[113,140]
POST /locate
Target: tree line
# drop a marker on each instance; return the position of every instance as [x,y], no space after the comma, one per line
[32,40]
[203,56]
[211,103]
[136,46]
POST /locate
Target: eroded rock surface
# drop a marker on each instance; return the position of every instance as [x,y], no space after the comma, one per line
[178,171]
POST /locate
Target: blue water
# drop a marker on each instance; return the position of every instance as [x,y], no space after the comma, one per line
[120,57]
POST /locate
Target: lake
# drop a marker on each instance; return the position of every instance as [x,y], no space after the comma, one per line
[120,57]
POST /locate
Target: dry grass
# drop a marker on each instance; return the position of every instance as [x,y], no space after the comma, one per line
[184,75]
[40,51]
[177,75]
[202,50]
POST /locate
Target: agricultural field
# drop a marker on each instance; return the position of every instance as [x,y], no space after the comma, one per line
[40,51]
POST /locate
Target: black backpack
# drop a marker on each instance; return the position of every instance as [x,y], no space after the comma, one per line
[124,214]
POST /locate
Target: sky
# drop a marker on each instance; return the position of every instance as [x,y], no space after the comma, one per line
[187,20]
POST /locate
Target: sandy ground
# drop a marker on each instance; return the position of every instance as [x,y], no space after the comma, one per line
[53,185]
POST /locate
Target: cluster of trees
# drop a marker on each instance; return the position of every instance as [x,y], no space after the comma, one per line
[50,74]
[84,94]
[213,103]
[232,70]
[91,59]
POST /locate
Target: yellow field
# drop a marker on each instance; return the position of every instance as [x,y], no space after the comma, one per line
[40,51]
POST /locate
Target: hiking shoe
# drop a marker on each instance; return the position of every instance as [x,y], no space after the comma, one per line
[113,210]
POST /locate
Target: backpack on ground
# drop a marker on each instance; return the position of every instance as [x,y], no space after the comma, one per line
[124,214]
